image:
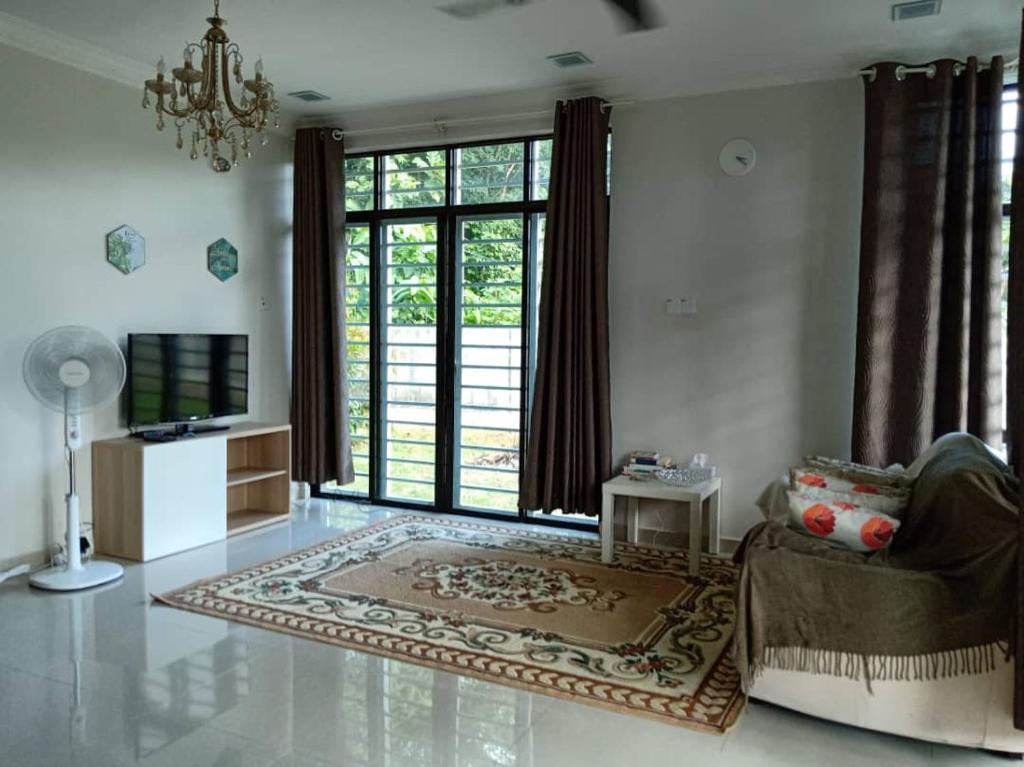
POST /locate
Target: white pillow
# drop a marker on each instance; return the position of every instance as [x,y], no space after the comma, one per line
[857,527]
[824,486]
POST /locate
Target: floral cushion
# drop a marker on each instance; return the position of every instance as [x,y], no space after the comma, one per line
[819,483]
[843,522]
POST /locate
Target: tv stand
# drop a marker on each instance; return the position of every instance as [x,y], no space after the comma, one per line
[151,499]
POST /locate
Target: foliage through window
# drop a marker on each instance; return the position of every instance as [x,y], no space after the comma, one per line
[414,179]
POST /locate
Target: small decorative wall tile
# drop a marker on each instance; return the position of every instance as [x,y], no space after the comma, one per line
[222,260]
[126,249]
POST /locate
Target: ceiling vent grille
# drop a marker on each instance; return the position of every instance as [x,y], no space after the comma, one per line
[309,96]
[918,9]
[571,59]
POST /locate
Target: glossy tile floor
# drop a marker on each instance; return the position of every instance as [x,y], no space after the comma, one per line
[158,686]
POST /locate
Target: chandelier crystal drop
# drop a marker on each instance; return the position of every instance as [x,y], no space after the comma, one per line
[199,101]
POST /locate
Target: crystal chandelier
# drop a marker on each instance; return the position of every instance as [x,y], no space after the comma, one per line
[200,103]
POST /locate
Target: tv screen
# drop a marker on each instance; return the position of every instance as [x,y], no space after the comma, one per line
[173,378]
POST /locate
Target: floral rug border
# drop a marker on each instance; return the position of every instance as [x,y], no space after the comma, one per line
[720,688]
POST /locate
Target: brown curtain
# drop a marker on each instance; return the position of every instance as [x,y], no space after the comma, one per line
[929,358]
[568,452]
[321,447]
[1015,383]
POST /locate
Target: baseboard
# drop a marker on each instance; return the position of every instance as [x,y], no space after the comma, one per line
[33,560]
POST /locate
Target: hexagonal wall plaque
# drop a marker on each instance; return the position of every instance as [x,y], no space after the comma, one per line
[222,260]
[126,249]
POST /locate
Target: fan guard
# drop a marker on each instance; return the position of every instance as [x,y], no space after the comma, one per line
[74,359]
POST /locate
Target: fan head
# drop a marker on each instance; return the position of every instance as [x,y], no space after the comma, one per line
[74,368]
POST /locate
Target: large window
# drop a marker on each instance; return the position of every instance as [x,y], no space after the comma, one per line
[443,282]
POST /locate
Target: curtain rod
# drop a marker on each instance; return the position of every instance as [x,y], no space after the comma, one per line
[441,125]
[902,70]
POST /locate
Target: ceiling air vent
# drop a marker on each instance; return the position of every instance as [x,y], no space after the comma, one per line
[918,9]
[571,59]
[309,96]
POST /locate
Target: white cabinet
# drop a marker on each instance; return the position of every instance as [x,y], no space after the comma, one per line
[183,500]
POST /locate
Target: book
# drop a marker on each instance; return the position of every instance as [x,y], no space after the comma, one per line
[644,457]
[642,468]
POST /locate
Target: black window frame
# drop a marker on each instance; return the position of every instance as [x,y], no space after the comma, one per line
[447,216]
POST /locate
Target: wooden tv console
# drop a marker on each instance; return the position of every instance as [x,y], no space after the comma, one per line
[151,499]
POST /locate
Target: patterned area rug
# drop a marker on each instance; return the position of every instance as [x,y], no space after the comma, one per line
[532,610]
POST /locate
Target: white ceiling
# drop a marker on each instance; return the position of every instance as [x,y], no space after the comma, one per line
[373,52]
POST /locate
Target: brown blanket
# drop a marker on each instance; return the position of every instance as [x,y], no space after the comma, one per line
[938,603]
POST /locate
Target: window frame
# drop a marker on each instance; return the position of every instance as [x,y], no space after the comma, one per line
[447,217]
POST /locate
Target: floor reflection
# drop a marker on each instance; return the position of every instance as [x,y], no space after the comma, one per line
[181,680]
[361,709]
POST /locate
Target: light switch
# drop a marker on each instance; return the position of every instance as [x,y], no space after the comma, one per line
[681,306]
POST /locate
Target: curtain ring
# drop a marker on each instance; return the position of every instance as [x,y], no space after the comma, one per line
[337,134]
[959,69]
[872,74]
[932,71]
[901,73]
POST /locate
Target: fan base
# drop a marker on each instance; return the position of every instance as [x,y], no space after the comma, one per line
[63,579]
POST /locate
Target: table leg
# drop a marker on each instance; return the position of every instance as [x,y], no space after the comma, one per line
[633,520]
[607,526]
[714,522]
[695,515]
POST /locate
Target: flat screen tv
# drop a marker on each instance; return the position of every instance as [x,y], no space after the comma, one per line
[174,378]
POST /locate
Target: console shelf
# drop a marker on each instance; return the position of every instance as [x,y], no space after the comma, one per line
[244,520]
[151,499]
[245,476]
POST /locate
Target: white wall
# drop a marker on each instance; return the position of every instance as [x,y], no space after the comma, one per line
[764,373]
[78,158]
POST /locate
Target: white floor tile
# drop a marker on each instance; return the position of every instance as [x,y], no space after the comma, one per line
[109,678]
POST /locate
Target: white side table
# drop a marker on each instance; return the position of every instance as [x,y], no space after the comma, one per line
[694,496]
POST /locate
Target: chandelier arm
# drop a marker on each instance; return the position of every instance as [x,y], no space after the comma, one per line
[181,114]
[195,100]
[208,91]
[229,100]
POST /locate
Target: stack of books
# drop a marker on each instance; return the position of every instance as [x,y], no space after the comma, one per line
[642,464]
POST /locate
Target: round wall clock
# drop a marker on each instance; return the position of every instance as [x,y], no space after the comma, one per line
[738,157]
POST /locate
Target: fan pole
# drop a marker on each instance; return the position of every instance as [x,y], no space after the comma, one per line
[74,517]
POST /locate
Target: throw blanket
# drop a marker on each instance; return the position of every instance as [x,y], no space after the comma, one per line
[937,603]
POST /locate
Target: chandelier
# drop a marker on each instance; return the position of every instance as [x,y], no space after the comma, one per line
[199,100]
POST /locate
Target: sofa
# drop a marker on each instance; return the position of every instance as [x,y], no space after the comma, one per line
[912,640]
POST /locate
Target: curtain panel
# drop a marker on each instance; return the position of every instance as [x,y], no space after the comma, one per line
[568,451]
[1015,382]
[929,356]
[321,445]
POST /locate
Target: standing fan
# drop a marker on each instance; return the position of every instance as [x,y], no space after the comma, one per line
[72,370]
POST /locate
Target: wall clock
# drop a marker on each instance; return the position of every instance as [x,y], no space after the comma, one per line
[738,157]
